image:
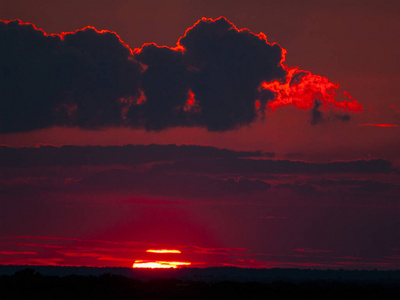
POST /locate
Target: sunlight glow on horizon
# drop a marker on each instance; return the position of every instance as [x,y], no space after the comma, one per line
[163,251]
[146,264]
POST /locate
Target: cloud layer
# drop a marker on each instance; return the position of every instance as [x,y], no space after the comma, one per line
[217,77]
[188,171]
[46,156]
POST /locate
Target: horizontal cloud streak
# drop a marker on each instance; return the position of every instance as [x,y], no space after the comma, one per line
[159,183]
[112,155]
[266,166]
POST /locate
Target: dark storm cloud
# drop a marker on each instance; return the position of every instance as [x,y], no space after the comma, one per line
[96,72]
[229,66]
[45,156]
[77,79]
[264,166]
[27,88]
[91,79]
[165,84]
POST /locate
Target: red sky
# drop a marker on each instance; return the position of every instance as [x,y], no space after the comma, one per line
[70,207]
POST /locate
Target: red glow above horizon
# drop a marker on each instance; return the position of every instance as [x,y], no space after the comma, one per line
[160,264]
[151,264]
[163,251]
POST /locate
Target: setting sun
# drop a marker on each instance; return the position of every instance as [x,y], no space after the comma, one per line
[163,251]
[159,264]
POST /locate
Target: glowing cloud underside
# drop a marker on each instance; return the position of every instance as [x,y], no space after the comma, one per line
[146,264]
[162,251]
[301,89]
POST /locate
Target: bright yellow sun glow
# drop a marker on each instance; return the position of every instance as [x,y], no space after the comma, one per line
[146,264]
[163,251]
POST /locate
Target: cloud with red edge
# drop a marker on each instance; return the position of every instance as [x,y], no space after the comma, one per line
[218,77]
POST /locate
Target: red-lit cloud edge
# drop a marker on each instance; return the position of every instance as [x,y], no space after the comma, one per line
[302,89]
[379,125]
[54,251]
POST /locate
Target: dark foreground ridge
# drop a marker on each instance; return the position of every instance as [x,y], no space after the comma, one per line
[22,282]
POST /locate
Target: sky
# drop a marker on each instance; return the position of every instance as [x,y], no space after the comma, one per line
[244,133]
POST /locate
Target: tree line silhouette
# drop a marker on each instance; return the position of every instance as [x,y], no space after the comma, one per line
[29,284]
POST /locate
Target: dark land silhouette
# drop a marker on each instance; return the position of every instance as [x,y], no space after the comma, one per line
[39,282]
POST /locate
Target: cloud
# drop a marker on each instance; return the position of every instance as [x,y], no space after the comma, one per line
[73,79]
[17,253]
[160,183]
[165,83]
[45,156]
[187,170]
[298,188]
[27,89]
[217,77]
[137,183]
[379,125]
[309,250]
[229,66]
[316,115]
[359,186]
[371,187]
[308,91]
[267,166]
